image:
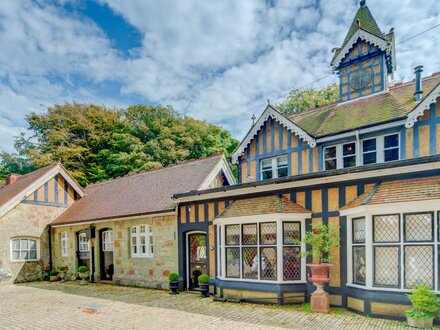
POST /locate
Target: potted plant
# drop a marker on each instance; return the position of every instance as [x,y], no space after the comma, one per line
[63,271]
[53,275]
[204,285]
[174,283]
[46,273]
[321,239]
[83,272]
[425,306]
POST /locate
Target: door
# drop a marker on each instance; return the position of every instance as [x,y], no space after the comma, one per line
[106,255]
[196,258]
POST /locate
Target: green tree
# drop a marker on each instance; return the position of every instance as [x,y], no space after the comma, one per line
[309,98]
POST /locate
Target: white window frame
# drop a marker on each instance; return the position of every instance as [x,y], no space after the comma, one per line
[398,208]
[37,246]
[279,219]
[339,155]
[107,240]
[380,147]
[83,242]
[64,243]
[138,235]
[274,161]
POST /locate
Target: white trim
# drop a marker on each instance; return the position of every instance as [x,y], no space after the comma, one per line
[271,112]
[91,222]
[58,169]
[278,218]
[310,182]
[221,165]
[19,238]
[412,206]
[364,35]
[148,234]
[413,116]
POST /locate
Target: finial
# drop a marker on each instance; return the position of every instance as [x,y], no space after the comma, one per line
[362,3]
[253,119]
[268,102]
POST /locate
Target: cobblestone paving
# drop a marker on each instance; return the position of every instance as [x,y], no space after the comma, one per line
[99,306]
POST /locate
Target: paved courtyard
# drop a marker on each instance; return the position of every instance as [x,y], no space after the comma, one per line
[99,306]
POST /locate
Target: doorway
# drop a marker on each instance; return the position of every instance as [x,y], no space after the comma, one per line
[197,261]
[106,254]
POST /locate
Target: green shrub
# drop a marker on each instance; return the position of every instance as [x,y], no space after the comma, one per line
[425,303]
[53,272]
[63,269]
[83,269]
[173,277]
[203,278]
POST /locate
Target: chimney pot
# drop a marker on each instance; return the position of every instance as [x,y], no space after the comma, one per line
[419,91]
[12,178]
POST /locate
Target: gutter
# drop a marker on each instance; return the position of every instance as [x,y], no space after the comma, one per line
[50,246]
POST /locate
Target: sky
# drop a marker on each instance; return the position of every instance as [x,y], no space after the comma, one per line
[214,60]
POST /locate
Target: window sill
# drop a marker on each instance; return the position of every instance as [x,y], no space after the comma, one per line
[375,288]
[23,261]
[141,258]
[259,281]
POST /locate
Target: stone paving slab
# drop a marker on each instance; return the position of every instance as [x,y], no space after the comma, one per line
[97,306]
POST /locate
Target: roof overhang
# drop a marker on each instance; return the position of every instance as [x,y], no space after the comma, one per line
[262,217]
[222,165]
[425,104]
[57,170]
[364,35]
[271,112]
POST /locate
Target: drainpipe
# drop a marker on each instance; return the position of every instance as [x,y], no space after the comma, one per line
[358,148]
[419,91]
[50,246]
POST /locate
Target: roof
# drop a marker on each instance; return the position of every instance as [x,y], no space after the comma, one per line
[399,191]
[8,192]
[262,205]
[141,193]
[378,108]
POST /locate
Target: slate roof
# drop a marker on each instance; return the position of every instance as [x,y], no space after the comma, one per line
[8,192]
[262,205]
[139,194]
[408,190]
[378,108]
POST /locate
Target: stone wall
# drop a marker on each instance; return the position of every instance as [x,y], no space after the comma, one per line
[25,220]
[145,272]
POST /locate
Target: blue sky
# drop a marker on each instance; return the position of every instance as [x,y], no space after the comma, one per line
[214,60]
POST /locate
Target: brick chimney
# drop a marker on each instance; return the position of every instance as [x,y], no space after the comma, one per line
[12,178]
[419,91]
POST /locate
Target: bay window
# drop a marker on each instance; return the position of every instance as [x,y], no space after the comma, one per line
[141,241]
[275,167]
[261,250]
[24,249]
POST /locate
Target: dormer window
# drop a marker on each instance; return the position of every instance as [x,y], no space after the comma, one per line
[340,156]
[275,167]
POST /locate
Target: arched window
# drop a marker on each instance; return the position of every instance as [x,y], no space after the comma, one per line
[83,243]
[107,240]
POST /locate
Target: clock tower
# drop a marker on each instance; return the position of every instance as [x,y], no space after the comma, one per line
[365,59]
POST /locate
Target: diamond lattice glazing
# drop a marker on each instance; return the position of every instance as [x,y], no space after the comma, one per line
[419,265]
[386,228]
[386,266]
[418,227]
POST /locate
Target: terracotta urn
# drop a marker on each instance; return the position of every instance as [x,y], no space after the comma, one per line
[320,276]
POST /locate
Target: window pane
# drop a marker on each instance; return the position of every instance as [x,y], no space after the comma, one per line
[268,263]
[386,228]
[250,263]
[391,141]
[330,152]
[32,244]
[23,255]
[33,255]
[142,229]
[392,154]
[291,263]
[370,158]
[359,230]
[386,266]
[291,232]
[249,234]
[349,149]
[266,164]
[349,161]
[15,255]
[267,174]
[133,230]
[142,240]
[330,164]
[233,262]
[282,172]
[419,265]
[369,145]
[418,227]
[282,161]
[24,244]
[233,235]
[268,233]
[359,274]
[16,244]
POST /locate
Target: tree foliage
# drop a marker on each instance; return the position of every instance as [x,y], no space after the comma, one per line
[309,98]
[97,143]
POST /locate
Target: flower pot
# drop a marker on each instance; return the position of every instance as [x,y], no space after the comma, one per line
[420,323]
[204,289]
[62,277]
[174,286]
[320,276]
[320,273]
[84,278]
[53,278]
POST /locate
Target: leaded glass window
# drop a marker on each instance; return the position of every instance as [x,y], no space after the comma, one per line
[291,251]
[358,251]
[232,234]
[232,262]
[419,265]
[268,263]
[268,233]
[249,234]
[419,227]
[386,266]
[386,228]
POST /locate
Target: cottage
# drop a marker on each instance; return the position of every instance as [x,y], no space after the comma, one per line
[125,230]
[368,166]
[28,203]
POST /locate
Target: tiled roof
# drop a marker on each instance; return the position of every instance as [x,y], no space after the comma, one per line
[375,109]
[399,191]
[262,205]
[8,192]
[142,193]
